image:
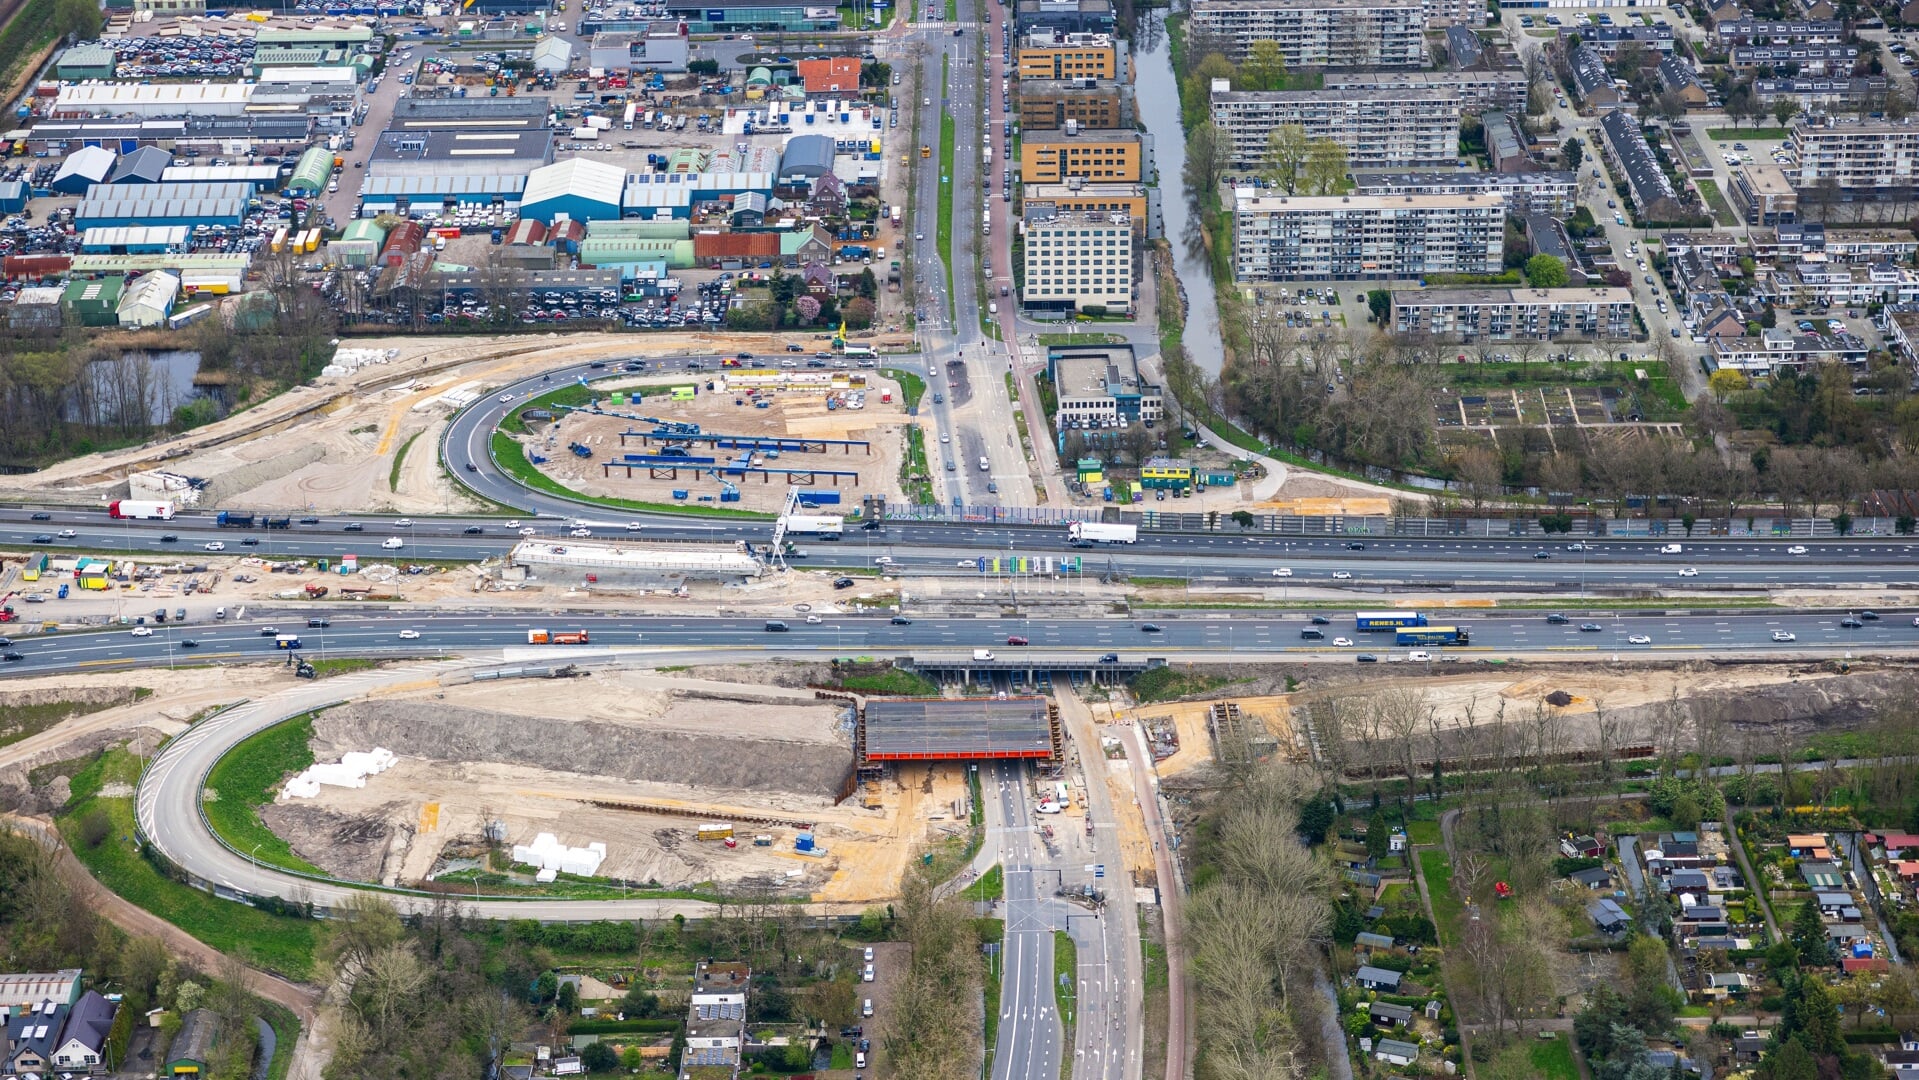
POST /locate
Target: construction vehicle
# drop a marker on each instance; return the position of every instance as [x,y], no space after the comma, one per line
[314,592]
[233,519]
[556,637]
[305,671]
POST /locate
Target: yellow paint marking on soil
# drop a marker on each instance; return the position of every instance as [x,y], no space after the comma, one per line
[398,414]
[429,817]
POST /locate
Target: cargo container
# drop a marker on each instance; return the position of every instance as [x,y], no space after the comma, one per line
[716,830]
[140,508]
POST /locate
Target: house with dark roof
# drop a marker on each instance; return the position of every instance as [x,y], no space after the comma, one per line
[1464,48]
[1626,149]
[1593,877]
[1676,76]
[1391,1015]
[1748,1048]
[1608,916]
[83,1042]
[33,1034]
[193,1045]
[1372,978]
[1579,847]
[1592,83]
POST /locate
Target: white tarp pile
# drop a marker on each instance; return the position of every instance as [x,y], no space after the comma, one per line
[353,769]
[547,853]
[347,361]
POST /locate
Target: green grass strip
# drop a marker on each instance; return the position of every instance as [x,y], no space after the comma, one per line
[912,387]
[990,886]
[511,457]
[948,137]
[243,781]
[1065,992]
[892,681]
[1721,209]
[277,943]
[399,459]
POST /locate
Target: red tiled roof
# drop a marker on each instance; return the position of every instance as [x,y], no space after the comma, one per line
[840,73]
[735,245]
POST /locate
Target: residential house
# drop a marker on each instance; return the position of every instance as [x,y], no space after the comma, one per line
[819,279]
[1720,322]
[1811,59]
[1771,351]
[1579,847]
[801,246]
[1748,1048]
[1699,914]
[1902,1064]
[83,1042]
[1394,1052]
[32,1036]
[1625,147]
[831,75]
[1610,40]
[1595,877]
[716,1017]
[1505,142]
[1837,905]
[1734,983]
[1677,77]
[1608,916]
[1372,978]
[1592,83]
[1386,1015]
[1895,844]
[1687,881]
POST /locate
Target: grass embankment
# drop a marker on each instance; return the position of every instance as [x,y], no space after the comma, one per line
[1716,202]
[277,943]
[1447,909]
[286,1032]
[990,886]
[914,474]
[340,666]
[1065,995]
[893,681]
[991,930]
[511,456]
[943,237]
[399,459]
[1081,339]
[24,721]
[565,887]
[570,394]
[243,781]
[1168,684]
[912,387]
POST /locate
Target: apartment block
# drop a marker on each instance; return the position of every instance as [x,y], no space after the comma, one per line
[1380,128]
[1319,33]
[1875,159]
[1554,193]
[1503,88]
[1626,150]
[1128,199]
[1824,93]
[1731,32]
[1763,195]
[1066,16]
[1050,54]
[1046,104]
[1468,315]
[1362,238]
[1777,349]
[1812,59]
[1099,155]
[1076,259]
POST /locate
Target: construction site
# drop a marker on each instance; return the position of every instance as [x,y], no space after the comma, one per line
[659,770]
[742,440]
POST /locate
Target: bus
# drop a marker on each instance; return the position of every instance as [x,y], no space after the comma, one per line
[286,641]
[1434,635]
[1367,621]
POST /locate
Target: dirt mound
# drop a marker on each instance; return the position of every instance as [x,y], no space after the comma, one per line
[735,754]
[351,846]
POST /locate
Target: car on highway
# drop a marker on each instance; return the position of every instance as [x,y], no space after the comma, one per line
[1342,575]
[1639,639]
[1851,623]
[42,516]
[528,531]
[403,523]
[634,526]
[1283,571]
[214,545]
[11,657]
[309,521]
[392,542]
[1689,571]
[1321,620]
[472,530]
[318,623]
[1796,549]
[43,538]
[168,538]
[506,397]
[1343,642]
[189,643]
[1420,656]
[1784,635]
[1542,554]
[1556,618]
[67,534]
[1869,616]
[1355,546]
[1366,658]
[409,635]
[900,620]
[269,631]
[1575,547]
[1590,628]
[1015,639]
[1109,658]
[813,620]
[883,560]
[250,541]
[353,526]
[141,631]
[579,533]
[514,524]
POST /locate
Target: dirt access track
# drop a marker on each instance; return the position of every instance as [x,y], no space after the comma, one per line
[632,759]
[329,446]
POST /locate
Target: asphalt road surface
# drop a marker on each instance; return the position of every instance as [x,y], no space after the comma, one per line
[1030,1037]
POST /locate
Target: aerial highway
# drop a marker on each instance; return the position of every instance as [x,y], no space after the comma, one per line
[1030,1040]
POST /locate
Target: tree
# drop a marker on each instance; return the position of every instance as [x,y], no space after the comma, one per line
[1808,936]
[1265,67]
[1790,1061]
[1726,382]
[1325,169]
[1575,152]
[1286,147]
[1379,303]
[858,313]
[807,308]
[1199,84]
[1206,157]
[600,1056]
[1784,110]
[631,1059]
[1546,272]
[1376,842]
[568,998]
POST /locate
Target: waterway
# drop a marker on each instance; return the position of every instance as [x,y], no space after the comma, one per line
[136,387]
[1156,89]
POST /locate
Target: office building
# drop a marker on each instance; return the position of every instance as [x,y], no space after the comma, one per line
[1101,155]
[1501,88]
[1046,104]
[1128,199]
[1077,260]
[1049,54]
[1364,238]
[1318,33]
[1873,160]
[1498,314]
[1380,128]
[1066,16]
[1552,192]
[1099,387]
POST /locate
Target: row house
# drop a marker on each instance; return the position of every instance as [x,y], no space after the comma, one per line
[1771,352]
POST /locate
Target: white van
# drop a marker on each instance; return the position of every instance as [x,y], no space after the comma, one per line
[1420,656]
[1670,549]
[982,654]
[393,542]
[984,466]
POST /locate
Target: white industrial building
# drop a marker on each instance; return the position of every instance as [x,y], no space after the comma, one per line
[553,55]
[148,300]
[155,100]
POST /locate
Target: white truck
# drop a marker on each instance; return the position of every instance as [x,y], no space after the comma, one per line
[982,654]
[814,524]
[1093,532]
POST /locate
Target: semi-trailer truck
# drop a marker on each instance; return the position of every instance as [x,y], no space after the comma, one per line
[1434,635]
[1368,621]
[556,637]
[1094,532]
[145,509]
[814,525]
[233,519]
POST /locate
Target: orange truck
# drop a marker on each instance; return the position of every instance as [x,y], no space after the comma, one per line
[556,637]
